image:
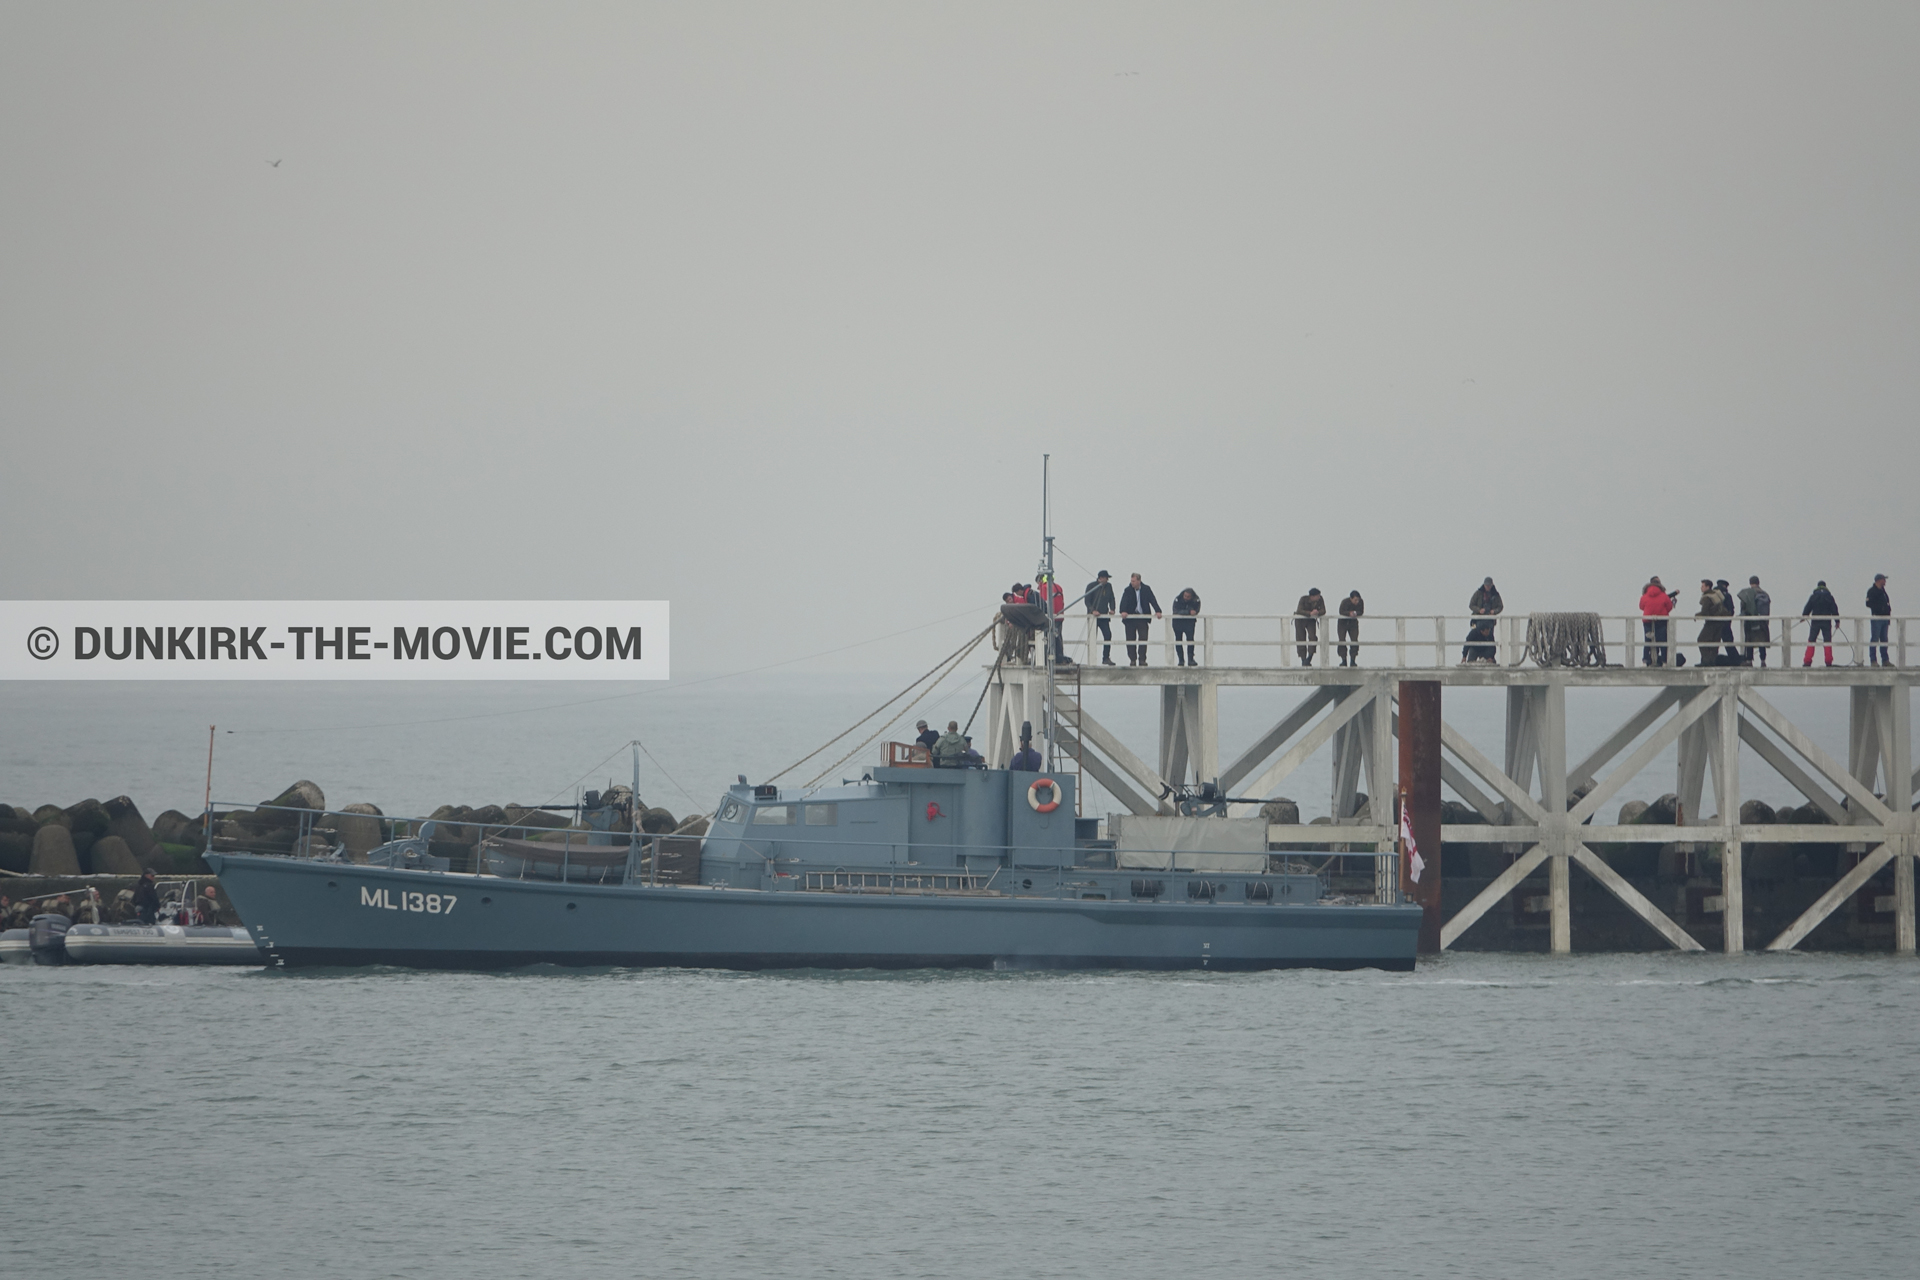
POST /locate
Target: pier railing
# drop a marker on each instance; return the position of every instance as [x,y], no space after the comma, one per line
[1442,640]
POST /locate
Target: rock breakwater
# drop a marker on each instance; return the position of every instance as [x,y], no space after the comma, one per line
[112,838]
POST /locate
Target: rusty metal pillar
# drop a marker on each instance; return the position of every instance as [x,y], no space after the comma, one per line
[1420,792]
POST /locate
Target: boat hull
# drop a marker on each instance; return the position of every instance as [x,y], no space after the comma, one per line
[311,913]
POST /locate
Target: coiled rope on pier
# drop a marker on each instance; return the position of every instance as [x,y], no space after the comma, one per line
[1566,640]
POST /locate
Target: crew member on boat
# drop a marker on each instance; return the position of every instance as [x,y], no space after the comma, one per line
[146,898]
[951,750]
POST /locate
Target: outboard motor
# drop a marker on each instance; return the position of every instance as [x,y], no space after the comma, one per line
[47,936]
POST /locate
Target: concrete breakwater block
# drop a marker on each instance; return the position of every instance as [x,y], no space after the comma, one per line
[361,831]
[112,857]
[124,821]
[53,852]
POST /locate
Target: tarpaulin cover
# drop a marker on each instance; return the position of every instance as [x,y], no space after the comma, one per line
[1195,844]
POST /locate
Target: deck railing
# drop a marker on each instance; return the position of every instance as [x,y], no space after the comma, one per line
[1439,640]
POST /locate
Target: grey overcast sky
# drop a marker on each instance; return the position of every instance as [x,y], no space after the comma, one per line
[772,309]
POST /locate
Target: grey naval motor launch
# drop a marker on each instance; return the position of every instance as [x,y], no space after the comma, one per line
[909,866]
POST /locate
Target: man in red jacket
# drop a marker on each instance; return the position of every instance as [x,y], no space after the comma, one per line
[1055,599]
[1655,605]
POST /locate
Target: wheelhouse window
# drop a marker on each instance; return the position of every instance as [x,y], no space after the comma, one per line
[773,815]
[730,811]
[823,815]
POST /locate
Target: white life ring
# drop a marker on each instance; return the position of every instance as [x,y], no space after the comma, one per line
[1033,795]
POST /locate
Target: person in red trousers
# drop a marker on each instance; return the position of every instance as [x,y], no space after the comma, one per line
[1821,609]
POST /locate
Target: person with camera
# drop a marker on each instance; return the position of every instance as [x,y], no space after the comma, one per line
[1655,604]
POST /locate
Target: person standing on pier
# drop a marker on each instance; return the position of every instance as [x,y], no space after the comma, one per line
[1709,613]
[1100,604]
[1485,605]
[1756,603]
[1054,598]
[1881,607]
[1821,609]
[1137,601]
[1306,623]
[1348,628]
[1725,591]
[1655,605]
[1186,606]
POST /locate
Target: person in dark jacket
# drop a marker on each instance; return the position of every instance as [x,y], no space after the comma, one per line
[1485,605]
[1725,590]
[1881,607]
[1136,602]
[1756,603]
[1351,610]
[1709,615]
[1821,608]
[146,898]
[1100,605]
[926,737]
[1306,623]
[1186,606]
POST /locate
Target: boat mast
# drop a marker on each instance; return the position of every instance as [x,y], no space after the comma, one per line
[1046,596]
[209,803]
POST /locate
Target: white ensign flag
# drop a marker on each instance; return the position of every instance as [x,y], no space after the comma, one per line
[1415,863]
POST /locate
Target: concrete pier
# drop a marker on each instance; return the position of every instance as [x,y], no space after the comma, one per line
[1537,805]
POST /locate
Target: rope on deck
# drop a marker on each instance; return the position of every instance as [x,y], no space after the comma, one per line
[1566,640]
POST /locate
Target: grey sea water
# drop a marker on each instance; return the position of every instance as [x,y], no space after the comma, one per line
[1486,1116]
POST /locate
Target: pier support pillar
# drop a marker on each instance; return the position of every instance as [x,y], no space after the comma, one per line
[1550,736]
[1903,940]
[1420,793]
[1206,731]
[1524,715]
[1898,725]
[1726,778]
[1560,932]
